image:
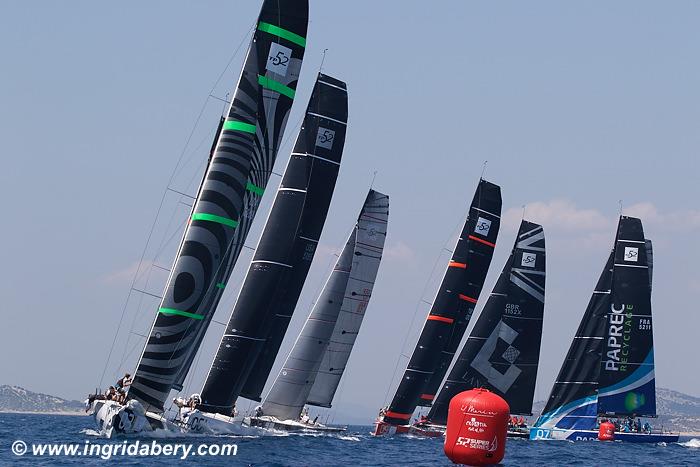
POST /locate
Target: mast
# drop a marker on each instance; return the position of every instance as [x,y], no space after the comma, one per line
[572,402]
[453,306]
[227,202]
[627,383]
[502,352]
[358,262]
[287,246]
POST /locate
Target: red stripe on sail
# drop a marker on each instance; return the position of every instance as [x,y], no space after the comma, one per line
[440,318]
[427,397]
[467,299]
[403,416]
[472,237]
[455,264]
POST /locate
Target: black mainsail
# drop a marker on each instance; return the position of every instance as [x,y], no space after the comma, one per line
[227,201]
[281,263]
[340,308]
[453,306]
[627,384]
[502,351]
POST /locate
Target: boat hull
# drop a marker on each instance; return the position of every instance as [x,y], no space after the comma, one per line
[271,423]
[539,434]
[382,428]
[196,421]
[113,419]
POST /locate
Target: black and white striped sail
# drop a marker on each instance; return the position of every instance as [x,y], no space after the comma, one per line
[358,263]
[228,199]
[287,246]
[503,350]
[453,306]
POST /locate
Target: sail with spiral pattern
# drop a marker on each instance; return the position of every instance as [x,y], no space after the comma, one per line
[234,181]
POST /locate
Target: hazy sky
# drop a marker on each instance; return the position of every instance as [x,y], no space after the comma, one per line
[574,105]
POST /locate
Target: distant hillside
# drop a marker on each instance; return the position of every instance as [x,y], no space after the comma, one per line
[17,399]
[677,411]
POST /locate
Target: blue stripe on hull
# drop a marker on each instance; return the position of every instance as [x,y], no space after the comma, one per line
[540,434]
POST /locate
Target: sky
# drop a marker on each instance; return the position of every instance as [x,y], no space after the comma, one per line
[577,107]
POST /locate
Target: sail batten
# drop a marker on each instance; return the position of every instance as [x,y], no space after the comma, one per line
[453,306]
[287,246]
[241,161]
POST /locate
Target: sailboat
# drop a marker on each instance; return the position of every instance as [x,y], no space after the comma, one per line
[608,372]
[449,314]
[281,262]
[313,369]
[503,350]
[239,167]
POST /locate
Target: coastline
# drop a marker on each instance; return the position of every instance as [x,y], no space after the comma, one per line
[37,412]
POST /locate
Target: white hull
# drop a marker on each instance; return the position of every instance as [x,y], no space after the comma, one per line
[272,423]
[196,421]
[113,418]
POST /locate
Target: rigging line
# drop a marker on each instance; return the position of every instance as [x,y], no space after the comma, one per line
[181,193]
[483,169]
[323,59]
[221,99]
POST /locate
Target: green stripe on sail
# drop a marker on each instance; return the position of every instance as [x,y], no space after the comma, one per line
[172,311]
[220,285]
[281,32]
[203,216]
[239,126]
[254,189]
[276,86]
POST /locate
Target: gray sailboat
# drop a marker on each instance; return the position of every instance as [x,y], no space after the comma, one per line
[313,369]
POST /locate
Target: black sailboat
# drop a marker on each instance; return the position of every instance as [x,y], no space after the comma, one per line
[283,257]
[234,181]
[502,351]
[609,369]
[451,311]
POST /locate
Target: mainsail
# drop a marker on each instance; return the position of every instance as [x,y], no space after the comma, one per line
[627,385]
[287,246]
[227,201]
[609,368]
[453,306]
[346,293]
[502,352]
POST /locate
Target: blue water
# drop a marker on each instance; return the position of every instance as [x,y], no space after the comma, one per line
[356,447]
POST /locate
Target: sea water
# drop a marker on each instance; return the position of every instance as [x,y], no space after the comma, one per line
[355,447]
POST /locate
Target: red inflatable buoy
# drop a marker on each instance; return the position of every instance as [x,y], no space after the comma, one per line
[606,432]
[477,423]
